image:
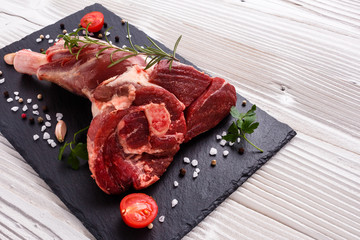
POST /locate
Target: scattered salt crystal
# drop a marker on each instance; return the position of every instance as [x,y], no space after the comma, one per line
[35,106]
[17,98]
[195,174]
[213,151]
[47,116]
[25,108]
[223,142]
[231,144]
[225,153]
[84,32]
[51,41]
[59,115]
[128,36]
[50,141]
[107,33]
[224,133]
[47,36]
[110,42]
[75,29]
[36,137]
[2,80]
[14,109]
[194,163]
[186,160]
[36,112]
[176,184]
[162,218]
[238,139]
[48,124]
[218,137]
[29,100]
[174,202]
[46,135]
[16,93]
[9,99]
[38,40]
[56,39]
[124,46]
[43,128]
[53,144]
[197,170]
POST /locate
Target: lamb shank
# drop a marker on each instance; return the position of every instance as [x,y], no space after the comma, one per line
[140,117]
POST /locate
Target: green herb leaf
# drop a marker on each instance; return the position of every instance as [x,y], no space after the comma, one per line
[78,150]
[244,124]
[153,52]
[73,161]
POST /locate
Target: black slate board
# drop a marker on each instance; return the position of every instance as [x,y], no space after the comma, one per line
[98,211]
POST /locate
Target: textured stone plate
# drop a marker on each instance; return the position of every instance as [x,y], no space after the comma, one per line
[98,211]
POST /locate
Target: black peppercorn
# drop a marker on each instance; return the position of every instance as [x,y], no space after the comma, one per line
[117,38]
[243,103]
[105,24]
[241,151]
[31,120]
[62,26]
[182,172]
[6,94]
[45,108]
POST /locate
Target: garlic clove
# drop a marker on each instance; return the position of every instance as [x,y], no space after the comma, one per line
[60,131]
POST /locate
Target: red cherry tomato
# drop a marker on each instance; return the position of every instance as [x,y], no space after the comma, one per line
[138,210]
[96,20]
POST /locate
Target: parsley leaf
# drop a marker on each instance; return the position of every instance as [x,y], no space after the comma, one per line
[244,124]
[78,150]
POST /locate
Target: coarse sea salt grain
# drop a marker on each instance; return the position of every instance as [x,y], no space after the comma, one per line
[223,142]
[14,109]
[47,36]
[36,112]
[174,202]
[2,80]
[16,93]
[195,174]
[38,40]
[36,137]
[25,108]
[59,115]
[238,139]
[176,184]
[213,151]
[123,46]
[46,136]
[218,137]
[194,163]
[43,128]
[47,116]
[53,144]
[17,98]
[50,141]
[51,41]
[162,218]
[48,124]
[225,153]
[9,99]
[223,133]
[231,144]
[35,106]
[186,160]
[197,170]
[107,33]
[29,100]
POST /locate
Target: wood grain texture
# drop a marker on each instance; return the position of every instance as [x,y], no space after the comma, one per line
[299,60]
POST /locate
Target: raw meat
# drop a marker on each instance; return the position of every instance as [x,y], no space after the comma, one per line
[140,117]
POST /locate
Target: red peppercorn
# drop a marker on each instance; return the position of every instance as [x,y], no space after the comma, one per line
[23,116]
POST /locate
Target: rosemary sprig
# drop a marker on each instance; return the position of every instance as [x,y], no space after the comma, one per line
[154,54]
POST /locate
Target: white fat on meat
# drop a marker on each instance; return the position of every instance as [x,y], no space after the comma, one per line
[134,76]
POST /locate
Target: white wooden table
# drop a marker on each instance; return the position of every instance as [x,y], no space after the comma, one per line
[299,60]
